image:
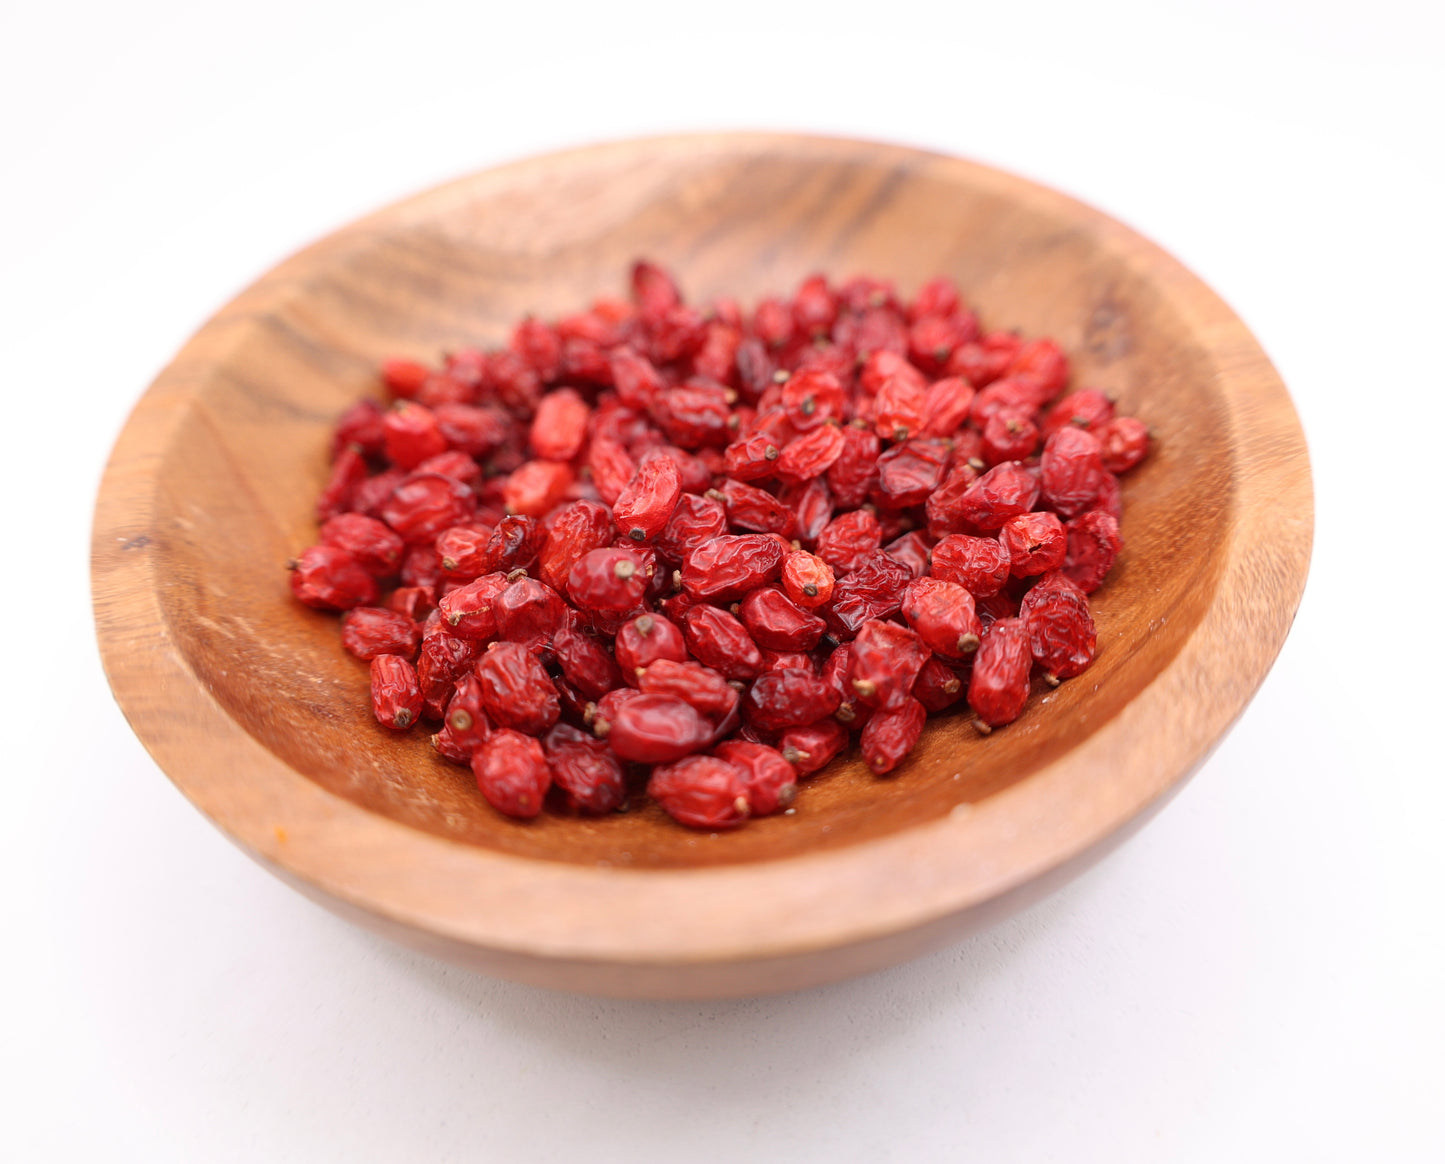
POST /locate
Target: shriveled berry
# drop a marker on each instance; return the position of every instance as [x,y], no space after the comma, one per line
[642,509]
[587,666]
[611,467]
[849,539]
[416,602]
[516,690]
[942,613]
[944,509]
[807,579]
[812,397]
[462,551]
[528,610]
[368,631]
[1060,628]
[946,406]
[1042,362]
[772,782]
[470,610]
[1125,442]
[937,686]
[585,769]
[694,415]
[644,640]
[424,504]
[1071,470]
[852,476]
[777,700]
[371,495]
[899,408]
[330,578]
[460,467]
[1036,543]
[702,792]
[812,453]
[754,509]
[727,567]
[376,548]
[512,773]
[1009,435]
[890,734]
[476,431]
[514,544]
[720,641]
[980,565]
[614,579]
[884,662]
[576,530]
[913,549]
[1088,408]
[465,724]
[873,590]
[695,521]
[1093,545]
[1003,492]
[444,658]
[655,729]
[909,473]
[702,687]
[395,693]
[753,457]
[403,377]
[810,747]
[998,687]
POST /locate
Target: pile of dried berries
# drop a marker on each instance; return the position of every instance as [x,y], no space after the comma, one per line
[716,543]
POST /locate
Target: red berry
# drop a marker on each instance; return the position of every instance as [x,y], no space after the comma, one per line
[703,688]
[777,700]
[411,434]
[720,641]
[613,579]
[516,690]
[727,567]
[512,773]
[368,631]
[771,782]
[943,616]
[643,507]
[329,578]
[1071,470]
[810,747]
[1125,442]
[701,791]
[890,735]
[644,640]
[776,622]
[585,769]
[654,729]
[884,662]
[807,579]
[1036,543]
[1093,545]
[998,688]
[395,693]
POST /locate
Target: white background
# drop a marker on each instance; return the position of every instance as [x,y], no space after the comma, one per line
[1257,976]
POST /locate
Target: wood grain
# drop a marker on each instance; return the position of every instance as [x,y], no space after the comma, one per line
[247,702]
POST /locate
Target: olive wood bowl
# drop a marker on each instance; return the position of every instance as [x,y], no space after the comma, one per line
[247,701]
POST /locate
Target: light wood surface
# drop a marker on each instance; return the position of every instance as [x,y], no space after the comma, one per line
[249,704]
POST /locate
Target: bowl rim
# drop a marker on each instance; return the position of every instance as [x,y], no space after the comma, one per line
[501,902]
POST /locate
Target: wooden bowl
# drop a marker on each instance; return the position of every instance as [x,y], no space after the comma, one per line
[247,701]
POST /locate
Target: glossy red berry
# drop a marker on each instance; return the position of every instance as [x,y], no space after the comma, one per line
[1036,543]
[771,782]
[516,690]
[368,631]
[890,735]
[998,686]
[329,578]
[943,616]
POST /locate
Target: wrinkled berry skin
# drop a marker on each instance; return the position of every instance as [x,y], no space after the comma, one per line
[980,565]
[703,792]
[1071,470]
[643,508]
[578,529]
[329,578]
[516,690]
[512,773]
[1036,543]
[788,698]
[703,688]
[376,549]
[368,631]
[614,579]
[772,783]
[644,640]
[883,663]
[1061,631]
[890,735]
[998,688]
[811,747]
[585,769]
[395,693]
[720,641]
[943,616]
[1093,546]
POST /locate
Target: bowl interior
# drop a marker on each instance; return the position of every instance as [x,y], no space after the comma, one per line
[461,265]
